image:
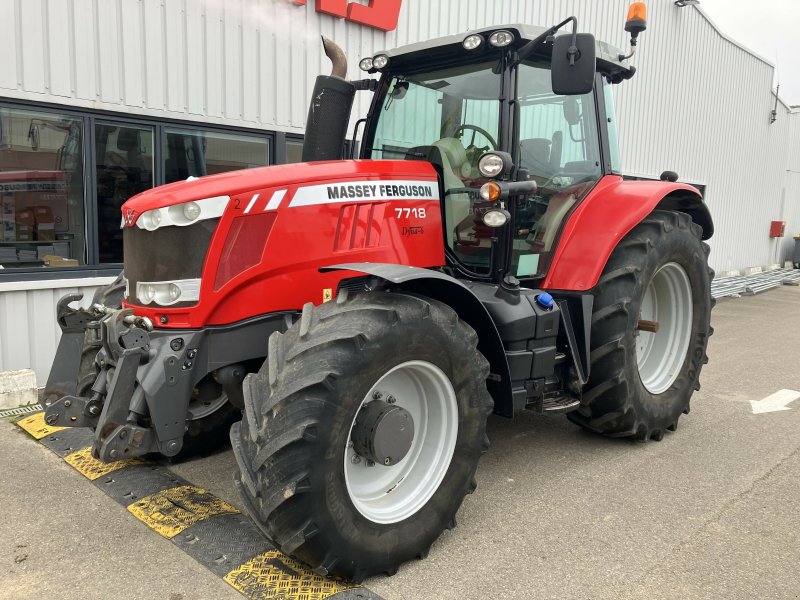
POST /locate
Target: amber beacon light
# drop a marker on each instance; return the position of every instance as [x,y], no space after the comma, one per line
[637,19]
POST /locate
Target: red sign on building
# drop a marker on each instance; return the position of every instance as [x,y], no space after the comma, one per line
[380,14]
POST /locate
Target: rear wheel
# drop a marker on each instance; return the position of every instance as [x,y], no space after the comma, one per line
[642,380]
[362,432]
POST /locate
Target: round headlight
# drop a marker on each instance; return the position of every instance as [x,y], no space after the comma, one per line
[501,38]
[495,218]
[147,293]
[151,219]
[365,64]
[191,210]
[491,165]
[471,42]
[380,61]
[174,292]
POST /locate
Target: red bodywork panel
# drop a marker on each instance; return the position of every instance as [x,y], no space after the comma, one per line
[391,215]
[597,225]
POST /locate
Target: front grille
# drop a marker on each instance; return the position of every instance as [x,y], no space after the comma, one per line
[166,254]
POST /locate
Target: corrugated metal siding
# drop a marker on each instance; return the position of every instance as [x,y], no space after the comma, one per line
[28,331]
[238,62]
[699,104]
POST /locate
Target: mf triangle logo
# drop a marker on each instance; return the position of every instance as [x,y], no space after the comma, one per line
[380,14]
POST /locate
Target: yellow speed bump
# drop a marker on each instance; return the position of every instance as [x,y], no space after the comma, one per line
[172,511]
[36,427]
[91,468]
[275,575]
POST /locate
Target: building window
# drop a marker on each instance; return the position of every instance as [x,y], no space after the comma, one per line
[41,189]
[124,168]
[191,153]
[294,150]
[55,163]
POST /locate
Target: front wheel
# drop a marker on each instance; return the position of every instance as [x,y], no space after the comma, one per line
[650,330]
[362,432]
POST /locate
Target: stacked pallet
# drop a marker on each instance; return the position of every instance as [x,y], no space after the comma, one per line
[753,284]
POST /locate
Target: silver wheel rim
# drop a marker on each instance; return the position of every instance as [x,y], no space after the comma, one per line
[667,301]
[391,494]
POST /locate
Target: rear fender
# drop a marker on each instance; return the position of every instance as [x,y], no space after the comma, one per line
[612,209]
[457,296]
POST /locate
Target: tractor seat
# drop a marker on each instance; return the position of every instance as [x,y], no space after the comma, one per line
[534,155]
[451,156]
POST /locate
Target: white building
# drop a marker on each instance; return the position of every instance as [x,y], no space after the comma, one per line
[100,100]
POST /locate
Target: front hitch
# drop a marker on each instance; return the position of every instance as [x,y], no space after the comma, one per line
[115,403]
[63,378]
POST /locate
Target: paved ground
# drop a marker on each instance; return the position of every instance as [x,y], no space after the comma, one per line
[713,511]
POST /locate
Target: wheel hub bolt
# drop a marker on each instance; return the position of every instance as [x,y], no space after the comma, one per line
[356,459]
[387,461]
[391,399]
[377,395]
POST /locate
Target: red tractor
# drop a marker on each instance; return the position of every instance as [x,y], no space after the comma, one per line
[483,254]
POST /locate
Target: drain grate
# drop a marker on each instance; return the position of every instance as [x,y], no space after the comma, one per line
[22,410]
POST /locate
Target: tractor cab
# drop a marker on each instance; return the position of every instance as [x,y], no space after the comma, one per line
[462,99]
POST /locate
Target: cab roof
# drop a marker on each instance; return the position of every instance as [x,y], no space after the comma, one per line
[607,55]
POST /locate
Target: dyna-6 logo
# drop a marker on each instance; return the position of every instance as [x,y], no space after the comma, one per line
[380,14]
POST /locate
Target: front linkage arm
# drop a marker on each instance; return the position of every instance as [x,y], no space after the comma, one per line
[63,378]
[118,406]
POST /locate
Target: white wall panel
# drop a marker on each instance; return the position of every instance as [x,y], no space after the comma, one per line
[28,331]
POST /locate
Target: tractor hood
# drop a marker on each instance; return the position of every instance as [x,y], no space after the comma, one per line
[211,250]
[239,182]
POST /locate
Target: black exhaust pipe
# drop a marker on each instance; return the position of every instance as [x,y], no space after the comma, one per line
[329,111]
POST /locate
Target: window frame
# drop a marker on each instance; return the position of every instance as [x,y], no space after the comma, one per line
[93,268]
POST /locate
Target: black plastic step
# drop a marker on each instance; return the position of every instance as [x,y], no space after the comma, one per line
[564,404]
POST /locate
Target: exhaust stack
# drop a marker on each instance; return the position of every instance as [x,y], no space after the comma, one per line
[329,111]
[337,56]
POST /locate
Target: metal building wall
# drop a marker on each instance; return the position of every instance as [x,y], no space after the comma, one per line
[699,103]
[28,330]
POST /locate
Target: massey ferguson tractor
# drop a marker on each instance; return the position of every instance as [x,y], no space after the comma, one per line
[361,317]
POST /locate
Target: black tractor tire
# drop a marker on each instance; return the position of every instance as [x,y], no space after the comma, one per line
[208,434]
[615,402]
[290,446]
[204,435]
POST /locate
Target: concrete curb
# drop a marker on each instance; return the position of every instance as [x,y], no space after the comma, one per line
[18,388]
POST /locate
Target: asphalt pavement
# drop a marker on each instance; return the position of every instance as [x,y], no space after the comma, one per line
[712,511]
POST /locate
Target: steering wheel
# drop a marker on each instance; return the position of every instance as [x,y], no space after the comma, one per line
[475,129]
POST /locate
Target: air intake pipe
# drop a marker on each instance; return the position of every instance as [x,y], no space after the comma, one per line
[329,112]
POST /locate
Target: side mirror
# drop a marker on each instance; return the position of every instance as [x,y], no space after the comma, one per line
[572,67]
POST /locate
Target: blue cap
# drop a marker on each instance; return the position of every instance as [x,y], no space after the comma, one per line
[545,300]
